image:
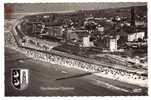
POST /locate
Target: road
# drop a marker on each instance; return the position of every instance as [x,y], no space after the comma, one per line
[47,79]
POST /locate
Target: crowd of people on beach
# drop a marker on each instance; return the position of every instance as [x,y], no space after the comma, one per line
[88,67]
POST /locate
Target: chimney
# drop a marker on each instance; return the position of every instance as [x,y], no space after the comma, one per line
[132,16]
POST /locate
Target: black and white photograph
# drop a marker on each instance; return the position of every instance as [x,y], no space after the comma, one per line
[76,49]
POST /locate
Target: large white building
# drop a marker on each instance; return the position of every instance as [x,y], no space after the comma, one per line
[113,45]
[135,36]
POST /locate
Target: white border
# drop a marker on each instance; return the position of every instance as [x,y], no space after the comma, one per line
[2,48]
[68,98]
[54,1]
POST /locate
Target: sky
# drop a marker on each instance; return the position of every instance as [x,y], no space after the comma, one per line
[61,7]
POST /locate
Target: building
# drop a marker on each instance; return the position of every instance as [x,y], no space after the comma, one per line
[136,36]
[113,44]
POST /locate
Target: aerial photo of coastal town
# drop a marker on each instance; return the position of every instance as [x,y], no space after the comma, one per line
[76,49]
